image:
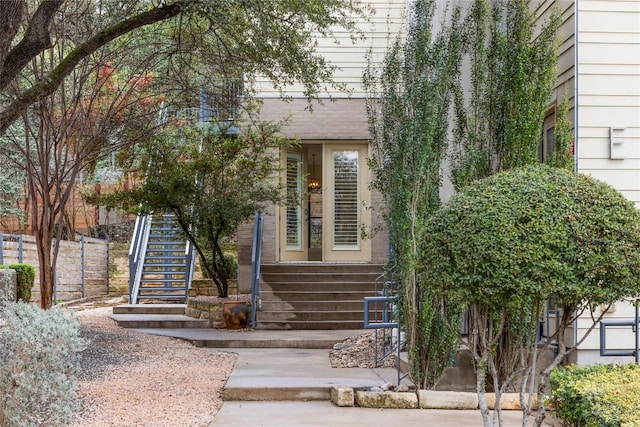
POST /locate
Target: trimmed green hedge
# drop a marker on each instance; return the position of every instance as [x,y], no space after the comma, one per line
[26,277]
[597,396]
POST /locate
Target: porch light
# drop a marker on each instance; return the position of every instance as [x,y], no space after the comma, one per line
[314,183]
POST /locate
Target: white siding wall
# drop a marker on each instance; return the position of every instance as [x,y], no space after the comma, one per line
[350,56]
[565,87]
[599,69]
[608,75]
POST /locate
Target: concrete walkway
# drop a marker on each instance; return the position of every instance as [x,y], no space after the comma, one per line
[289,385]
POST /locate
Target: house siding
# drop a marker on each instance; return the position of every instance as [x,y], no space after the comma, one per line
[599,70]
[350,56]
[608,74]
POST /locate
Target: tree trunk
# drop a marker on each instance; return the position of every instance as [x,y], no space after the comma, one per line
[44,246]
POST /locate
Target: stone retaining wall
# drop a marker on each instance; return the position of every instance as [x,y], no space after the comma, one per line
[203,302]
[422,399]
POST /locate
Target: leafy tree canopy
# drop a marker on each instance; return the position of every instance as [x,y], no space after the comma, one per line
[274,38]
[211,183]
[537,231]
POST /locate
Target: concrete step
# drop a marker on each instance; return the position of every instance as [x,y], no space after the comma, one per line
[314,295]
[159,321]
[264,339]
[309,325]
[322,268]
[286,375]
[299,286]
[149,309]
[324,276]
[314,316]
[311,296]
[329,306]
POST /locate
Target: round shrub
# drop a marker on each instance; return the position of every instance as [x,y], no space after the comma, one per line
[26,275]
[535,231]
[597,395]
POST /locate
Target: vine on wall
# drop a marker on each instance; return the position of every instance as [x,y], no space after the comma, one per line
[409,115]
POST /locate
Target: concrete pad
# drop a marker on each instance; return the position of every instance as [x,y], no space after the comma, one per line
[174,321]
[285,374]
[323,414]
[226,338]
[165,309]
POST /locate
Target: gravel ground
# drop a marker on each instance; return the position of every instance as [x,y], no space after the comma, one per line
[134,379]
[359,352]
[129,378]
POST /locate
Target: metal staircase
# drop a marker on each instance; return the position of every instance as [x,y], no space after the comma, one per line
[161,261]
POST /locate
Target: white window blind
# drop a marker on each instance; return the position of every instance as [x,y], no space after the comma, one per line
[294,195]
[346,212]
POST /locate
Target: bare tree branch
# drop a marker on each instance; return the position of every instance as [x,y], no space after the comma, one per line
[36,40]
[10,17]
[65,67]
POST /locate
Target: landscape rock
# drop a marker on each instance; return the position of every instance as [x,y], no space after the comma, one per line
[509,401]
[359,352]
[342,396]
[430,399]
[388,400]
[387,387]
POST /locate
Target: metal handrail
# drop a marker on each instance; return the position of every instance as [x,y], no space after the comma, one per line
[136,262]
[388,302]
[635,327]
[133,250]
[256,260]
[190,267]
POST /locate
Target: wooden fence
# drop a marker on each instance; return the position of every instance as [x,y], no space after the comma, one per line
[82,269]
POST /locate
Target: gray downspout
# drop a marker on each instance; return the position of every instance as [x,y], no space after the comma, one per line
[575,86]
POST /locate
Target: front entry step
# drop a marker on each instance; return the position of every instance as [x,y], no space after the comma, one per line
[315,296]
[155,316]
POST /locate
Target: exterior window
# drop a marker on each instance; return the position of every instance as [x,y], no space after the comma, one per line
[548,143]
[346,199]
[545,149]
[294,204]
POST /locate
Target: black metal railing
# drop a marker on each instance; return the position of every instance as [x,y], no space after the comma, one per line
[256,259]
[381,315]
[635,326]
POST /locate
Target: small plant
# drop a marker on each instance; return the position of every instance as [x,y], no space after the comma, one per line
[230,265]
[26,278]
[597,396]
[7,285]
[38,365]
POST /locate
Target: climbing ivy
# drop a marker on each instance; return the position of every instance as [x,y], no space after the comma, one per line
[512,66]
[408,112]
[496,126]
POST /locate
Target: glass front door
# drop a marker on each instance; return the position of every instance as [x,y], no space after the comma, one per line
[293,224]
[346,200]
[327,198]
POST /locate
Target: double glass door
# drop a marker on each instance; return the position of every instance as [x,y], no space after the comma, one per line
[327,195]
